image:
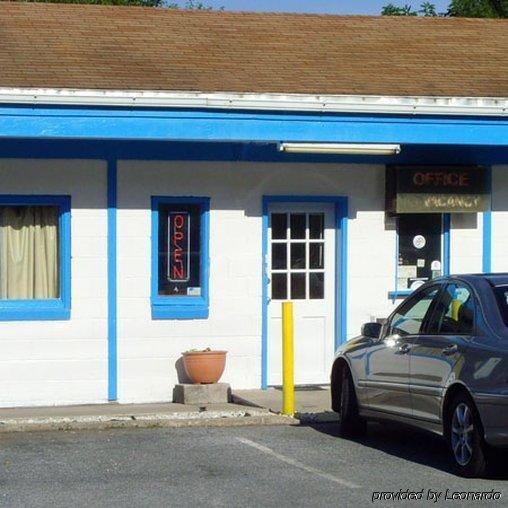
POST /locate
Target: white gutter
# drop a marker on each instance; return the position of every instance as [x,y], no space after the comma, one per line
[416,105]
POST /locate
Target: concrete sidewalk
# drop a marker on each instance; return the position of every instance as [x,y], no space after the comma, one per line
[312,404]
[112,415]
[248,407]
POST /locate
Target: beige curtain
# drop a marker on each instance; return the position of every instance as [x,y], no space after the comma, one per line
[29,252]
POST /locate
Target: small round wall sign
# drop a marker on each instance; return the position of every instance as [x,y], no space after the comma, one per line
[419,241]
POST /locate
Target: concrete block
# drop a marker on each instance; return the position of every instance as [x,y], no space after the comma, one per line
[218,393]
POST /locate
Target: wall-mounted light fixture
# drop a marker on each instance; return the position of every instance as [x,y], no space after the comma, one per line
[341,148]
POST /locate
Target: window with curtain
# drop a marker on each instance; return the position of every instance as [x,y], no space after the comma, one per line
[29,252]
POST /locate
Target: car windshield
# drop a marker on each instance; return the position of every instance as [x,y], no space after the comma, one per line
[501,293]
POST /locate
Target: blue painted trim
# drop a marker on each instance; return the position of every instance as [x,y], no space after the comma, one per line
[245,126]
[487,232]
[264,296]
[57,309]
[340,290]
[341,266]
[446,243]
[487,242]
[181,307]
[112,281]
[198,311]
[394,295]
[244,151]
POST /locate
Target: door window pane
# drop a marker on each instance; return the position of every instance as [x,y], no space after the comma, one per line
[279,256]
[316,286]
[298,256]
[316,226]
[298,286]
[279,226]
[297,226]
[29,252]
[299,252]
[316,256]
[420,257]
[279,286]
[409,319]
[454,313]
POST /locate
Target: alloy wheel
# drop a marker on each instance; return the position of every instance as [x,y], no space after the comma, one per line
[462,434]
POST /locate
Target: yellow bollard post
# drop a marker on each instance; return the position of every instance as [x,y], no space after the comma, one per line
[288,384]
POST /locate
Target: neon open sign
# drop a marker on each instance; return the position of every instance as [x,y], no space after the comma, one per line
[179,246]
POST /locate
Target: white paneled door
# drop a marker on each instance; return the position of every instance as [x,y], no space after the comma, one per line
[301,268]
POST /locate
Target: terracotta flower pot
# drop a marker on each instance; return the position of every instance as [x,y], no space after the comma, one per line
[204,367]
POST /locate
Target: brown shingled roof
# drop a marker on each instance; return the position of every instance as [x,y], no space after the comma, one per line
[127,48]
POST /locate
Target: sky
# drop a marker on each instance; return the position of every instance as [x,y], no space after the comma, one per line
[369,7]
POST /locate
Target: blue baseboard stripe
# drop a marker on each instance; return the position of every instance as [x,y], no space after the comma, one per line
[112,288]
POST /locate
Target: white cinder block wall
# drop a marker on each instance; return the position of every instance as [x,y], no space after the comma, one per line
[148,349]
[466,243]
[62,362]
[65,362]
[500,218]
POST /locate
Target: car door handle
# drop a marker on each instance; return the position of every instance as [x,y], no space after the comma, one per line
[450,350]
[404,349]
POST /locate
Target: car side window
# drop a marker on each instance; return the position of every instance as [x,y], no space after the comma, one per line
[454,314]
[408,320]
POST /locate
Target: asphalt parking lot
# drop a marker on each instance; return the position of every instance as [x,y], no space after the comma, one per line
[242,466]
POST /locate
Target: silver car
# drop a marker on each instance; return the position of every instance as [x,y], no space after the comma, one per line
[439,362]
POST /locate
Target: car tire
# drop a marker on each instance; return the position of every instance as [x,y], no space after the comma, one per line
[350,423]
[465,440]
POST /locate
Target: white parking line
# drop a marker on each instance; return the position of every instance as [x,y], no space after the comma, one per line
[298,464]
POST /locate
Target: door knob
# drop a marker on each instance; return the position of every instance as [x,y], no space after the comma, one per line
[404,349]
[450,350]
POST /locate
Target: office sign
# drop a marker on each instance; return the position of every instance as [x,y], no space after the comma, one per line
[437,189]
[179,246]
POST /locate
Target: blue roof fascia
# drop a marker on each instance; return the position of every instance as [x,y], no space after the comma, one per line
[45,122]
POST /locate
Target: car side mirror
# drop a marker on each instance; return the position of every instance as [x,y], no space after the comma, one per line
[372,330]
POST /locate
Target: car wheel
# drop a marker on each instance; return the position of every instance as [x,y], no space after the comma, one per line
[350,423]
[467,446]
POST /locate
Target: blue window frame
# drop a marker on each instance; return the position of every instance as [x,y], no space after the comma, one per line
[47,308]
[179,285]
[445,253]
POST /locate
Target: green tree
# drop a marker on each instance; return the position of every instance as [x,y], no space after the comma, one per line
[426,9]
[191,4]
[393,10]
[457,8]
[478,8]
